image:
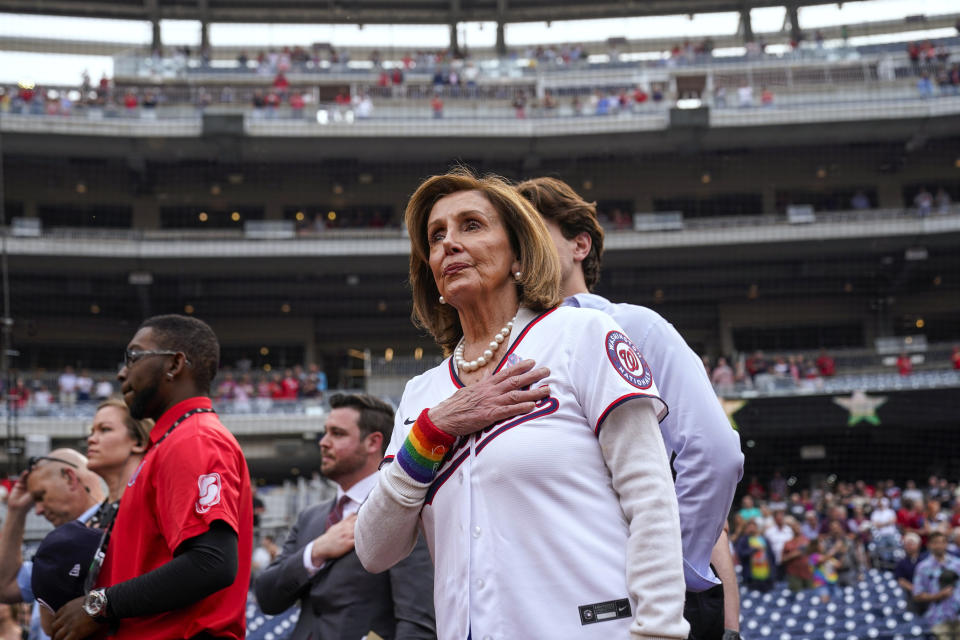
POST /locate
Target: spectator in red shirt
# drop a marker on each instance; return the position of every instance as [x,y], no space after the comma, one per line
[275,386]
[757,364]
[910,518]
[755,488]
[281,84]
[296,104]
[290,384]
[825,364]
[26,93]
[904,366]
[130,101]
[955,515]
[955,356]
[640,96]
[436,105]
[20,394]
[766,97]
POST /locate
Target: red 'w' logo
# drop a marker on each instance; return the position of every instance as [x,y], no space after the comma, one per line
[628,359]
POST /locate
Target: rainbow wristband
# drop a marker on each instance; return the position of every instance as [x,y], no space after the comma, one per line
[423,450]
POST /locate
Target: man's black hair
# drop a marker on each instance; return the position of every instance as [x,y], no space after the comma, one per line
[375,414]
[194,338]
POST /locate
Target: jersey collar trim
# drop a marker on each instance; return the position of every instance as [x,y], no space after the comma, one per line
[173,413]
[453,372]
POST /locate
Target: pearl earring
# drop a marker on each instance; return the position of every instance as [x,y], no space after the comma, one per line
[518,275]
[170,375]
[442,301]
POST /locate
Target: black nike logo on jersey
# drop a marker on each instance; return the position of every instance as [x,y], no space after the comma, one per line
[409,421]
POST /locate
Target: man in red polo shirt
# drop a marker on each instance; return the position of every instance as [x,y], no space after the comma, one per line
[178,556]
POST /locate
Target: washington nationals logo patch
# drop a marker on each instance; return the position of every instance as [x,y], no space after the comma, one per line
[627,360]
[209,485]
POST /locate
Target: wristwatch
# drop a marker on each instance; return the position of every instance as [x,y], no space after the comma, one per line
[730,634]
[95,604]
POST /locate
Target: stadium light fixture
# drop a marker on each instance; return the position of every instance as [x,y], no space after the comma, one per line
[264,351]
[235,216]
[418,353]
[188,309]
[140,278]
[81,188]
[299,216]
[285,307]
[203,216]
[388,355]
[94,308]
[215,190]
[706,178]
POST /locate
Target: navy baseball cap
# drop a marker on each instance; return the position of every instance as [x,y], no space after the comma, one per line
[61,563]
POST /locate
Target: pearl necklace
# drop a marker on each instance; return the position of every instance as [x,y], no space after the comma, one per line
[487,357]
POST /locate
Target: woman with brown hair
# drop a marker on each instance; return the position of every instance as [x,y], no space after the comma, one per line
[115,449]
[544,493]
[116,445]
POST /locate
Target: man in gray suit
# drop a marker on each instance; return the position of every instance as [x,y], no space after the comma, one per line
[318,566]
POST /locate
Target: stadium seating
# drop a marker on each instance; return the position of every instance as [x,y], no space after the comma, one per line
[874,609]
[261,626]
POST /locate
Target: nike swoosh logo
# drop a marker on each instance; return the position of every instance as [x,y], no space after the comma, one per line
[409,421]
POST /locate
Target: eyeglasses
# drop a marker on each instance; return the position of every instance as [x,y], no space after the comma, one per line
[130,357]
[35,460]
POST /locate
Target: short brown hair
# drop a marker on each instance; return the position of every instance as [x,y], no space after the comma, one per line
[139,430]
[557,201]
[375,414]
[539,286]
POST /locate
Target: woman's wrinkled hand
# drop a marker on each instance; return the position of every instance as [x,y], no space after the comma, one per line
[503,395]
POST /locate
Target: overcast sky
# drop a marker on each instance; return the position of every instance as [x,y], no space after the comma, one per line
[66,69]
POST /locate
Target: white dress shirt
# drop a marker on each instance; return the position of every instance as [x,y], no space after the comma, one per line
[357,494]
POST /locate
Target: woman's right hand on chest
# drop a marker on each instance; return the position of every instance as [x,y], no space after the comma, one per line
[503,395]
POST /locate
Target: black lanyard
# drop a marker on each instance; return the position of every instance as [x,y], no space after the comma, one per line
[109,512]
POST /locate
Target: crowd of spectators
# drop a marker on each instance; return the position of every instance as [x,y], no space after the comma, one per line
[827,538]
[927,203]
[247,392]
[73,392]
[936,74]
[452,76]
[761,372]
[789,371]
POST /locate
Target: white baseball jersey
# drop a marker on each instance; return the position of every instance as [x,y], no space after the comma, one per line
[527,535]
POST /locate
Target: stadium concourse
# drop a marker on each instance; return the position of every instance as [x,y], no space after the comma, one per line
[786,196]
